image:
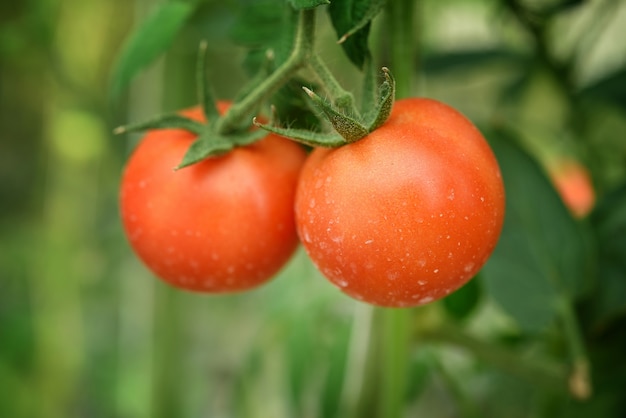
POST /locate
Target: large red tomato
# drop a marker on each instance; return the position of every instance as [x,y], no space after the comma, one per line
[224,224]
[407,214]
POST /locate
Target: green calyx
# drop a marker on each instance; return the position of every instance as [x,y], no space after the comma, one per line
[232,129]
[348,124]
[211,140]
[225,132]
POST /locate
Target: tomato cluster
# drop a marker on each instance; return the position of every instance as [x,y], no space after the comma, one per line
[402,217]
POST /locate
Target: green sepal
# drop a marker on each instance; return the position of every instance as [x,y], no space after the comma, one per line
[303,136]
[349,128]
[386,97]
[211,144]
[246,138]
[206,98]
[168,121]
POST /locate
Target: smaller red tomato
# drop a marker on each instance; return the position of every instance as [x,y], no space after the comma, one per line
[573,183]
[224,224]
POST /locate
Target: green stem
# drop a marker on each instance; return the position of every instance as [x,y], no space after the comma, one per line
[395,361]
[343,99]
[400,22]
[550,376]
[300,55]
[396,322]
[357,373]
[580,375]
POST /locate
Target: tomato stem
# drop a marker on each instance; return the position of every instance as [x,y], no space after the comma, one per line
[343,99]
[395,361]
[300,55]
[396,322]
[580,374]
[206,98]
[357,373]
[400,21]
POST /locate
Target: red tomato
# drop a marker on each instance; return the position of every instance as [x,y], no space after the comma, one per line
[407,214]
[222,225]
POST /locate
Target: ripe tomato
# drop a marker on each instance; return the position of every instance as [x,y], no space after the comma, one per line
[224,224]
[407,214]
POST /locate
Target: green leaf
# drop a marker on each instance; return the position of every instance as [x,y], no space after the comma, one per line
[263,25]
[468,60]
[351,20]
[543,254]
[294,107]
[464,301]
[307,4]
[609,222]
[611,88]
[148,41]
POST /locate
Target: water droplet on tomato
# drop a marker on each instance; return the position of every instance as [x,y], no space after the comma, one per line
[426,300]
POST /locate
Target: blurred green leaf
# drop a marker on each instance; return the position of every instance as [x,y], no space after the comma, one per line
[293,107]
[153,37]
[543,253]
[351,20]
[307,4]
[467,60]
[462,303]
[611,88]
[420,374]
[609,221]
[264,25]
[336,363]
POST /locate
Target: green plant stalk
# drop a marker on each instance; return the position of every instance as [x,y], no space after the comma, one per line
[395,361]
[400,20]
[169,354]
[343,99]
[396,322]
[580,375]
[359,352]
[300,55]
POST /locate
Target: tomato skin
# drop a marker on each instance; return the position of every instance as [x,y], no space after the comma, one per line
[224,224]
[407,214]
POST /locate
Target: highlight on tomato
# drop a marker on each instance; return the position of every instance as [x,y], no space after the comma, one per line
[224,224]
[409,213]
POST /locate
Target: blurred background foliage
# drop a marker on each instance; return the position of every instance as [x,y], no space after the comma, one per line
[86,331]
